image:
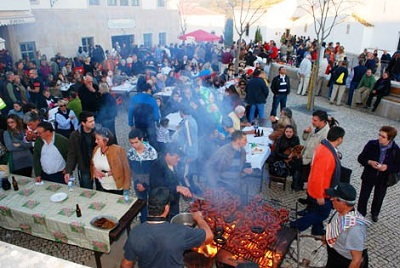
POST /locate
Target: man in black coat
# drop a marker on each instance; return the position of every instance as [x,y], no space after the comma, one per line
[256,95]
[163,173]
[89,95]
[281,88]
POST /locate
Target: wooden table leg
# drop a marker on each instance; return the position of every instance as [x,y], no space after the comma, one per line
[262,177]
[97,256]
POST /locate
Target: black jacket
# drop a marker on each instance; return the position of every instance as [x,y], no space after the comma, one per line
[371,151]
[382,86]
[338,72]
[275,84]
[256,91]
[162,176]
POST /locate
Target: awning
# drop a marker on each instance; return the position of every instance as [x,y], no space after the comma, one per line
[16,17]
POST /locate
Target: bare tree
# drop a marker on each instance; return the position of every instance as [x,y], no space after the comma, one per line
[244,13]
[185,8]
[326,15]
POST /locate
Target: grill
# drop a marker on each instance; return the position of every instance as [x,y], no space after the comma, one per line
[254,232]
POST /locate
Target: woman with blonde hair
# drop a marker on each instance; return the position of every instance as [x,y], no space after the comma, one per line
[109,166]
[340,55]
[65,119]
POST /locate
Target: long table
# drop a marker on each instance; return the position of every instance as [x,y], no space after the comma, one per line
[258,149]
[30,210]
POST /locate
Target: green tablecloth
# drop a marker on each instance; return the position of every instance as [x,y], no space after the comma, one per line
[30,210]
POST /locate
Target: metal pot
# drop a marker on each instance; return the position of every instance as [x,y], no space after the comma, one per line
[184,218]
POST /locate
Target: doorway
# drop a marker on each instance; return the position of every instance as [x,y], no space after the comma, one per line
[123,39]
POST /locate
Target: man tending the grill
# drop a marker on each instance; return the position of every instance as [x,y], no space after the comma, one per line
[226,166]
[324,174]
[163,173]
[346,232]
[158,243]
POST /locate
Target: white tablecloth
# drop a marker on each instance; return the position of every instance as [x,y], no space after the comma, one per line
[124,88]
[163,94]
[174,120]
[30,210]
[257,159]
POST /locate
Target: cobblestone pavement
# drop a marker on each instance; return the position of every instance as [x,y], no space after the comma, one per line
[383,237]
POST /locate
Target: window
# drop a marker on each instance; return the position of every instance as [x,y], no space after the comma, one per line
[135,3]
[161,3]
[94,2]
[348,29]
[162,39]
[123,3]
[111,2]
[28,49]
[148,40]
[305,27]
[35,2]
[86,43]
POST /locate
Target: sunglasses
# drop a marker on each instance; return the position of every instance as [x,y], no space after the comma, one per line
[383,136]
[62,105]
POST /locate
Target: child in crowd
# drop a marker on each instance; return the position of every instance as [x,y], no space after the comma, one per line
[163,136]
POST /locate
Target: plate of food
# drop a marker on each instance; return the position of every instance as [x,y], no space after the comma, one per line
[58,197]
[104,222]
[257,150]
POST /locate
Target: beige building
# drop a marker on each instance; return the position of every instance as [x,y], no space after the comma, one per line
[64,25]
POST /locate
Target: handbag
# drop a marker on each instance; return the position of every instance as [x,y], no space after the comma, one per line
[345,174]
[3,150]
[279,169]
[393,178]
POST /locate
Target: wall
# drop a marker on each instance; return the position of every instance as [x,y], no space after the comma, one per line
[62,29]
[383,35]
[60,4]
[207,23]
[14,5]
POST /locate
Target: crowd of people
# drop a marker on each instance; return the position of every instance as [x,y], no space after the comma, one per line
[60,117]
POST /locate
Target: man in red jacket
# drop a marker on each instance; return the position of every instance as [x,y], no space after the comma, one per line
[324,174]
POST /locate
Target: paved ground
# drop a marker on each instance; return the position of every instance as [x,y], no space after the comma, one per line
[383,237]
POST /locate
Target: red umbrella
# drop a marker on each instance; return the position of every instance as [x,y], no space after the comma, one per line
[200,36]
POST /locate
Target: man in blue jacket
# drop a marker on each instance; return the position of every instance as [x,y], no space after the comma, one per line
[144,113]
[256,95]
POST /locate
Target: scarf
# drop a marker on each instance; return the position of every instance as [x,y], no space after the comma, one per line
[382,151]
[342,224]
[336,174]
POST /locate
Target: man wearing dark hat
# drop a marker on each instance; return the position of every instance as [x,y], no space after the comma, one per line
[143,113]
[163,173]
[346,231]
[158,243]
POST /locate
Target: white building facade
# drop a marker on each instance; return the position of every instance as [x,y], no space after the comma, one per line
[64,25]
[378,28]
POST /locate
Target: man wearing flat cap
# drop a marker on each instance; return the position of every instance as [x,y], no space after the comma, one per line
[346,231]
[158,243]
[164,173]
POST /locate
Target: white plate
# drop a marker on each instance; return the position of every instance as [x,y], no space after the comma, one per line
[58,197]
